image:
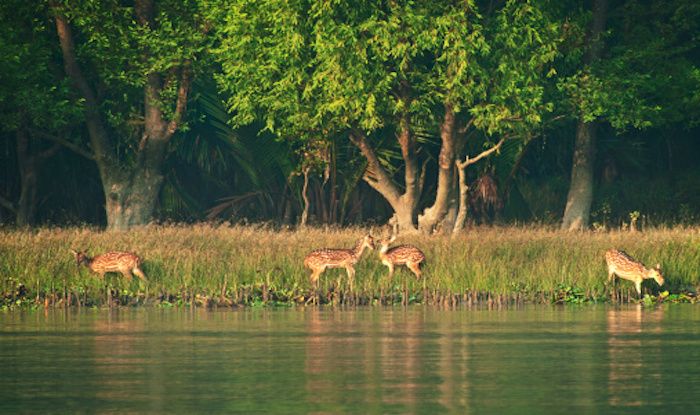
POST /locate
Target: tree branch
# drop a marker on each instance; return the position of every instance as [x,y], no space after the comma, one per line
[467,126]
[49,152]
[65,143]
[421,179]
[99,138]
[7,204]
[182,93]
[375,175]
[469,161]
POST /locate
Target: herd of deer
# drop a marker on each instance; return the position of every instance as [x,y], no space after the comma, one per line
[619,263]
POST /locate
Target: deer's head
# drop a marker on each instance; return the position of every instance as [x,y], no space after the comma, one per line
[655,273]
[81,257]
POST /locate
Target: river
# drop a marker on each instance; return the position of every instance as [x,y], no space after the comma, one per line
[534,359]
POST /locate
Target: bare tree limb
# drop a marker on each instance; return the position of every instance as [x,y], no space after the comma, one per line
[305,196]
[65,143]
[469,161]
[49,152]
[7,204]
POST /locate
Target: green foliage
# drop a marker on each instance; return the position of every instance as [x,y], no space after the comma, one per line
[311,69]
[118,53]
[32,91]
[644,77]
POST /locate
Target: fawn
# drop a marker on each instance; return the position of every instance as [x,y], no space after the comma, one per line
[626,267]
[123,262]
[321,259]
[407,255]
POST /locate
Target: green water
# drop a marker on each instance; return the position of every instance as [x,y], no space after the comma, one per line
[416,360]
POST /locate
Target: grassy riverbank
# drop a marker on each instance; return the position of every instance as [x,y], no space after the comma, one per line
[205,265]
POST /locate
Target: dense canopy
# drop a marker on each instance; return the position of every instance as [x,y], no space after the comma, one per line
[427,114]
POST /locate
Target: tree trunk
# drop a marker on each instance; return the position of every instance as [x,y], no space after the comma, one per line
[131,201]
[580,197]
[464,187]
[403,204]
[131,190]
[436,213]
[463,201]
[29,160]
[305,196]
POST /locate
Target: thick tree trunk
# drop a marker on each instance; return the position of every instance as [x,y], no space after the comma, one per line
[580,198]
[403,204]
[131,201]
[436,213]
[131,191]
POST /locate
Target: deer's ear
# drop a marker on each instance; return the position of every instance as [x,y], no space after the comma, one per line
[658,266]
[74,252]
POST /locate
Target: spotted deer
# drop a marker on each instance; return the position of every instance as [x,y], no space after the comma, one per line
[626,267]
[123,262]
[320,259]
[407,255]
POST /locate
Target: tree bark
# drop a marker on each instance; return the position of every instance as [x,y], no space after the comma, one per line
[403,204]
[131,198]
[464,187]
[436,213]
[305,196]
[463,201]
[131,191]
[580,197]
[29,161]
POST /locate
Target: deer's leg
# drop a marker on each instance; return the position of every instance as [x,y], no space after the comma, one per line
[611,281]
[108,289]
[140,274]
[638,286]
[351,275]
[415,267]
[315,274]
[313,278]
[127,274]
[391,269]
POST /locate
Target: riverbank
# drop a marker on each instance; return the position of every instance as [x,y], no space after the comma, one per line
[228,266]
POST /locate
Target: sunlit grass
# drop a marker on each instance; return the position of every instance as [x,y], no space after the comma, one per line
[248,265]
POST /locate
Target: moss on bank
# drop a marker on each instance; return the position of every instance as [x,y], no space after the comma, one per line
[203,265]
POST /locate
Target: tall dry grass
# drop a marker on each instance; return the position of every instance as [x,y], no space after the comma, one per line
[231,265]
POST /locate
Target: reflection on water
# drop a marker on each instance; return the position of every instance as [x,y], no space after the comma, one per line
[634,355]
[415,360]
